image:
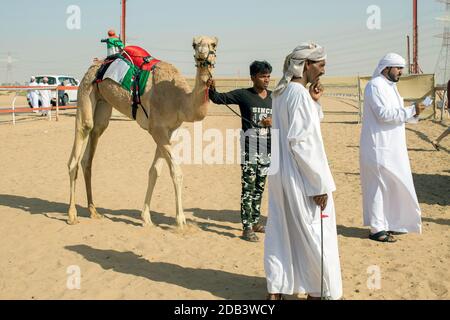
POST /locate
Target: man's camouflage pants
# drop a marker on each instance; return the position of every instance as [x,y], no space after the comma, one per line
[253,179]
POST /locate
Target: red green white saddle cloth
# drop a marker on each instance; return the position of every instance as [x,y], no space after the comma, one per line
[134,65]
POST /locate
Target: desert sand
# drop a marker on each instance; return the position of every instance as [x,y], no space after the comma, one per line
[119,259]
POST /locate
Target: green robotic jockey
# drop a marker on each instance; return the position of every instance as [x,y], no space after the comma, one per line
[113,43]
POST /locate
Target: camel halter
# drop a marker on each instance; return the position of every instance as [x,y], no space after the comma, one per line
[203,63]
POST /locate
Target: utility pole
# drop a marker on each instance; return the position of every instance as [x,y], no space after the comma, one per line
[123,21]
[9,71]
[9,67]
[408,49]
[415,65]
[442,70]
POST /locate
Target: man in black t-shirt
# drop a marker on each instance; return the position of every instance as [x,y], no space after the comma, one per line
[255,105]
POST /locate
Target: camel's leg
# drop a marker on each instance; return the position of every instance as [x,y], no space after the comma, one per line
[101,120]
[83,126]
[177,178]
[153,174]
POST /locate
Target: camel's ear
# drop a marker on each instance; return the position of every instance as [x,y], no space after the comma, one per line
[196,41]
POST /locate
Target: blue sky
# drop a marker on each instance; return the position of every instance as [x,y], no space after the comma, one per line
[35,33]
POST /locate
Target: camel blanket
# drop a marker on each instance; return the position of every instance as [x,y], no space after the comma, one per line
[126,73]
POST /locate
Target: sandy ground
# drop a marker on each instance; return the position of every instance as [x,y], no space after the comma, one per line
[118,259]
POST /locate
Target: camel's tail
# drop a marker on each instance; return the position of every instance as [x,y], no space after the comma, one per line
[86,85]
[87,94]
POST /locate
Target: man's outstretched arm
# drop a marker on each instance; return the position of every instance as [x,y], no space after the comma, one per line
[232,97]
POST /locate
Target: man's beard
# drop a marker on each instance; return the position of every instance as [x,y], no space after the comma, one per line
[393,79]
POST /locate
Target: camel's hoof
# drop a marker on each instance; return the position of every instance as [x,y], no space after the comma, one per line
[146,219]
[94,213]
[147,224]
[73,221]
[182,226]
[181,223]
[72,216]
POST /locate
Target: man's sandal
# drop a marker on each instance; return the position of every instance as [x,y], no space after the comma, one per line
[259,228]
[249,235]
[396,233]
[308,297]
[274,296]
[382,236]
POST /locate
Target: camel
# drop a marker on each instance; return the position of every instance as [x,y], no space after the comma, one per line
[168,101]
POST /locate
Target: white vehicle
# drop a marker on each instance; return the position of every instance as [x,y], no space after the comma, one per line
[65,96]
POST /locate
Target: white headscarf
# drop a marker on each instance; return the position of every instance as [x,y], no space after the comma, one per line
[389,60]
[294,63]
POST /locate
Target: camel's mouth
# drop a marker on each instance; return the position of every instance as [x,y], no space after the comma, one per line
[209,61]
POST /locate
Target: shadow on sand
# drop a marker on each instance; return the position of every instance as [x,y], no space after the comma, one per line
[352,232]
[432,188]
[219,283]
[131,217]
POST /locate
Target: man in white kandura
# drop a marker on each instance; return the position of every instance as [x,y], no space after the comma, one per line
[46,97]
[33,95]
[390,203]
[301,187]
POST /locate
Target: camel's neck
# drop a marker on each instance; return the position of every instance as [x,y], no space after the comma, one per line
[198,102]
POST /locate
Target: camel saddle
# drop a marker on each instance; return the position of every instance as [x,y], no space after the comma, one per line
[131,68]
[139,57]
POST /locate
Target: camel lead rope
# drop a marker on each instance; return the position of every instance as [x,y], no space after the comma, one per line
[253,124]
[207,87]
[321,251]
[206,94]
[240,116]
[322,297]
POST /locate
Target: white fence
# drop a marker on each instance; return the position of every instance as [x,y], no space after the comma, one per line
[13,110]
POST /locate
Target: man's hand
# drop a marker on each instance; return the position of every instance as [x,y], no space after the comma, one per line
[419,109]
[321,201]
[316,90]
[211,83]
[266,122]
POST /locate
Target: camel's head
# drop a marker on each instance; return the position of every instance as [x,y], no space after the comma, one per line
[205,52]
